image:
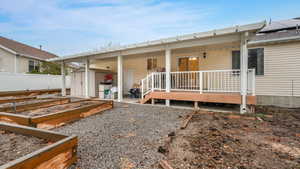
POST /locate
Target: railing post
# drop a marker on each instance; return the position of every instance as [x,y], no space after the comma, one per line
[253,82]
[147,83]
[152,82]
[201,81]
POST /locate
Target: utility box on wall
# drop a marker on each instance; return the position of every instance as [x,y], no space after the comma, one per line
[96,77]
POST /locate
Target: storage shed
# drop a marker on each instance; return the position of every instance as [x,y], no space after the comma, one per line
[97,76]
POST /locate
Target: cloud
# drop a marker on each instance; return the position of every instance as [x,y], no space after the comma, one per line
[67,27]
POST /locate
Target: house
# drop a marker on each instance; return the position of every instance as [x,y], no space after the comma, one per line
[253,64]
[17,57]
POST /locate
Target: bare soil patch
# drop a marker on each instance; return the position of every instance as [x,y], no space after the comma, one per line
[58,108]
[216,140]
[13,146]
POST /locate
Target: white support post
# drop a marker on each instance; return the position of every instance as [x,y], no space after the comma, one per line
[201,82]
[244,72]
[120,78]
[168,73]
[63,80]
[87,78]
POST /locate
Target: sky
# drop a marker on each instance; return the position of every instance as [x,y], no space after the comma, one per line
[67,27]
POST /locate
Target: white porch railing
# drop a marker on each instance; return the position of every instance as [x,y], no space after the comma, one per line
[225,81]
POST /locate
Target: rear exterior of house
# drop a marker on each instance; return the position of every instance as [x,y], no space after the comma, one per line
[16,57]
[234,65]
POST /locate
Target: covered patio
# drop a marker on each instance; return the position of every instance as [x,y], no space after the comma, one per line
[210,78]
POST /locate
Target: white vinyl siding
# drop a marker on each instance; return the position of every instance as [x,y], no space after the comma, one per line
[282,70]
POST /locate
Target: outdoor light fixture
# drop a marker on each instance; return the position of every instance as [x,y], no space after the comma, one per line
[193,58]
[204,55]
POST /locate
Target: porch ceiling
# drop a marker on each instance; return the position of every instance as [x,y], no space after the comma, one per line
[226,35]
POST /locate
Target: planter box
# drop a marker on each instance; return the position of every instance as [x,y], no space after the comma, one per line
[59,118]
[61,153]
[36,105]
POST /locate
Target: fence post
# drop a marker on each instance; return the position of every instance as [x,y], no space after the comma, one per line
[201,82]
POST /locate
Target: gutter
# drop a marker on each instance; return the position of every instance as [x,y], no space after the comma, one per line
[166,41]
[278,40]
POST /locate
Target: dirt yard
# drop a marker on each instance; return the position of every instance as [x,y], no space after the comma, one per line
[215,140]
[13,146]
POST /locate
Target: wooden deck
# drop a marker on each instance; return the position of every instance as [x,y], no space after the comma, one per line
[231,98]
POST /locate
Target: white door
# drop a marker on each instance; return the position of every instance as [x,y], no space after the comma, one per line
[128,80]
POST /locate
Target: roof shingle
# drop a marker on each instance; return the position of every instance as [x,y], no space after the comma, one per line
[25,50]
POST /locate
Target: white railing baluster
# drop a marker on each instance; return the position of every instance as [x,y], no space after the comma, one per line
[227,81]
[201,82]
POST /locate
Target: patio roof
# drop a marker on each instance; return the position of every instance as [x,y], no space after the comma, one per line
[202,35]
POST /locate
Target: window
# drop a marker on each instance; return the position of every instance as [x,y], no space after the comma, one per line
[33,66]
[188,63]
[255,60]
[151,63]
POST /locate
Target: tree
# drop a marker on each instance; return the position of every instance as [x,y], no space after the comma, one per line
[49,68]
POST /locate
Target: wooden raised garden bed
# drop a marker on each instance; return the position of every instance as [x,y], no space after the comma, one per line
[13,99]
[58,115]
[25,147]
[31,92]
[32,104]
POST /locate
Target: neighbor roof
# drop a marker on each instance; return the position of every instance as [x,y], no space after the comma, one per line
[165,41]
[24,50]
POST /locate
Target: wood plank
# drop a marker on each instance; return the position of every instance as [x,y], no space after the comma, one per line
[15,118]
[187,120]
[205,97]
[165,165]
[15,100]
[29,92]
[25,130]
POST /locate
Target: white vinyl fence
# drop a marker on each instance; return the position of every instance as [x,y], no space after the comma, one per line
[20,81]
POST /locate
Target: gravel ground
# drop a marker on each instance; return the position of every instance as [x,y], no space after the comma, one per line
[125,137]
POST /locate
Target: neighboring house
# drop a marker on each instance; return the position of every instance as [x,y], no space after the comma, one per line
[20,58]
[249,64]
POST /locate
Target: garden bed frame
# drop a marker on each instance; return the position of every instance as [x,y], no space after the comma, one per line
[60,154]
[60,118]
[31,92]
[17,99]
[37,105]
